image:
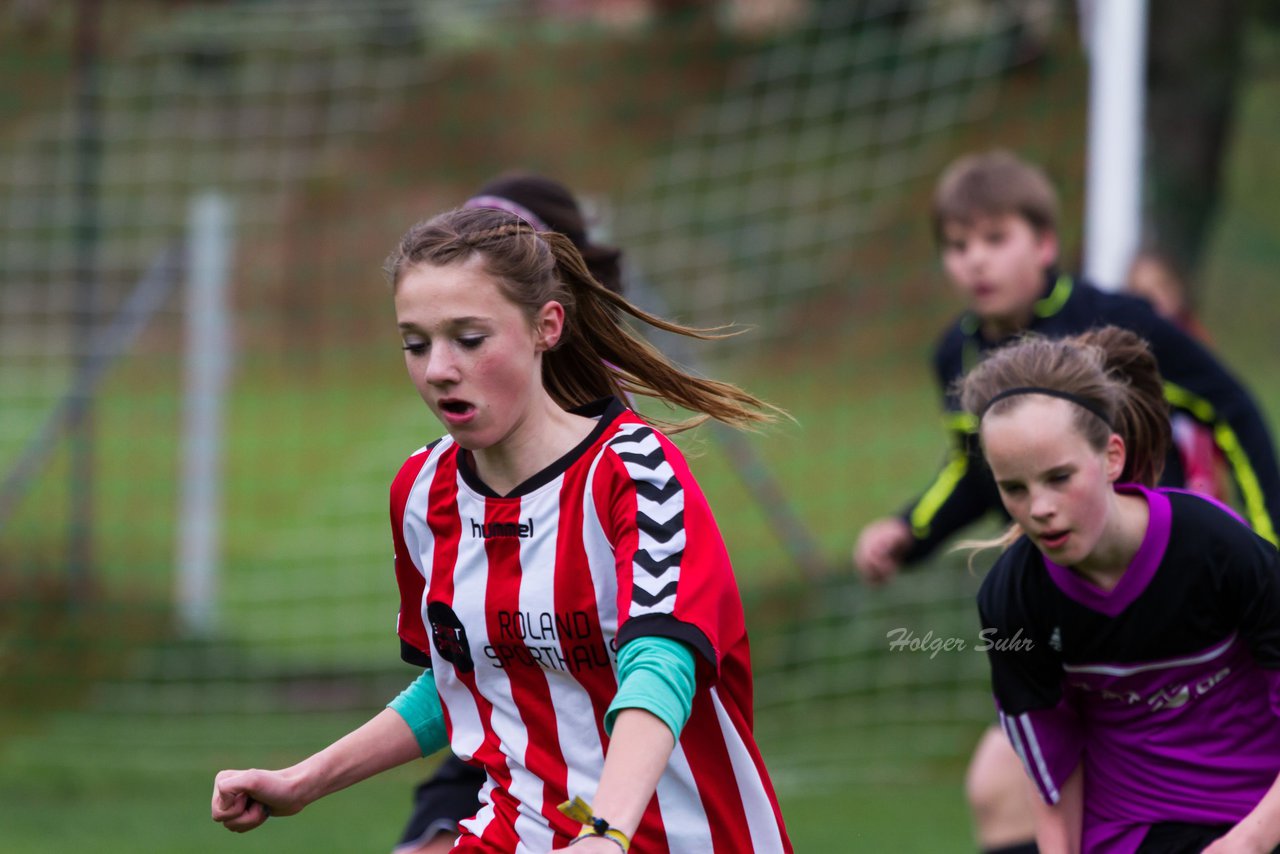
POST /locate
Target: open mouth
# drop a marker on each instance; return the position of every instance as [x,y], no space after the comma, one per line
[456,410]
[1054,539]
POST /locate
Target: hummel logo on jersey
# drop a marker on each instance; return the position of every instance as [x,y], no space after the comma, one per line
[449,636]
[502,529]
[1055,639]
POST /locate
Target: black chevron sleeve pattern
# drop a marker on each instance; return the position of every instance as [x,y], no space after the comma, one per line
[659,520]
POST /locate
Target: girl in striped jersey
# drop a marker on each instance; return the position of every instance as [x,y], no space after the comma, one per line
[1133,633]
[452,792]
[561,574]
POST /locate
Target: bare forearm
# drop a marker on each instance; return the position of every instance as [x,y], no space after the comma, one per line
[638,754]
[384,742]
[1257,831]
[1060,827]
[244,799]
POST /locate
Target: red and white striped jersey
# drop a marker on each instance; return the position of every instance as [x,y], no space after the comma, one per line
[521,603]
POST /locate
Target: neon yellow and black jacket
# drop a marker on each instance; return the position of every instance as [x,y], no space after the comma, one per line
[1195,382]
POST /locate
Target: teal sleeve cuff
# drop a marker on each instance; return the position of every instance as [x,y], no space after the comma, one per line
[419,705]
[655,674]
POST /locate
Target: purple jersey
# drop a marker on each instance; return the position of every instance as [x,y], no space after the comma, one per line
[1166,687]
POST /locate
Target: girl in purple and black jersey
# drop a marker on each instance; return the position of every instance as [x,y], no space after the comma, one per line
[1133,633]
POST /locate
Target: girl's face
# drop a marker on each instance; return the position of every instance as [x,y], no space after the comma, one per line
[473,354]
[1054,484]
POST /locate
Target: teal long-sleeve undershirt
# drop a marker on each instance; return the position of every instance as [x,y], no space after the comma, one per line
[656,674]
[419,705]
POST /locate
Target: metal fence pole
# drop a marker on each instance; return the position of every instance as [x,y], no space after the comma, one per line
[80,422]
[208,359]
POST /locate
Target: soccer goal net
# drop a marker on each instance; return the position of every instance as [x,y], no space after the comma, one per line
[762,164]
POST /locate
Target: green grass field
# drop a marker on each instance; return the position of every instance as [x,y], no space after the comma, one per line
[131,812]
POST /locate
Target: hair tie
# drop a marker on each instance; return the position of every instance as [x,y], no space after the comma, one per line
[514,208]
[1051,392]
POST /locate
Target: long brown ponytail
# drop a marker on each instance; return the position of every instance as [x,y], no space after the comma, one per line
[597,355]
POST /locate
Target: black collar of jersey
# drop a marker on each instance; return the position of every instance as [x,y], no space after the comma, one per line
[606,410]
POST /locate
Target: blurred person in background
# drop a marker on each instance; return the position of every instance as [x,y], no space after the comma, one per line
[563,580]
[452,793]
[1153,276]
[994,219]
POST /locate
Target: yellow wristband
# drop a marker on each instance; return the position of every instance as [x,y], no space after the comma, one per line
[612,834]
[579,810]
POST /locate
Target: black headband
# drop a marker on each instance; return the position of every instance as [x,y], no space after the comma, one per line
[1051,392]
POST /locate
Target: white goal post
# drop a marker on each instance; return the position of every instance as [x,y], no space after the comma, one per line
[1115,34]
